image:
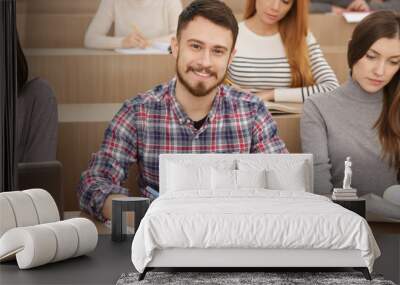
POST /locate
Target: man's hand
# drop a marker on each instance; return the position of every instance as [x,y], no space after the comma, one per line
[268,95]
[135,40]
[358,6]
[107,207]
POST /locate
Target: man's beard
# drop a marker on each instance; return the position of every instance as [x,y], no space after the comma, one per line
[200,90]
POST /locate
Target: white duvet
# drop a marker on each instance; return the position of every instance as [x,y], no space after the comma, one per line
[253,218]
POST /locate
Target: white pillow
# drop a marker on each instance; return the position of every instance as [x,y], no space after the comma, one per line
[251,178]
[223,179]
[282,174]
[184,177]
[227,179]
[287,176]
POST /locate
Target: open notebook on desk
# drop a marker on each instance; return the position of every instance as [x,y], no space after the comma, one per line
[155,48]
[354,17]
[284,108]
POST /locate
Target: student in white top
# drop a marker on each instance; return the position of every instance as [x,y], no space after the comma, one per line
[137,23]
[277,58]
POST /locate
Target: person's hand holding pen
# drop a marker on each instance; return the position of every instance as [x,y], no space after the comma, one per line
[135,40]
[358,6]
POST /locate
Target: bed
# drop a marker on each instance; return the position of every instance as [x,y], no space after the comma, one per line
[247,210]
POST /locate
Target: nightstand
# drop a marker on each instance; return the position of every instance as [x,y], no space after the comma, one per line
[356,205]
[138,205]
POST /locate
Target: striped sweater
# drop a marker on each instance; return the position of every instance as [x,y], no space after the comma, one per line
[261,64]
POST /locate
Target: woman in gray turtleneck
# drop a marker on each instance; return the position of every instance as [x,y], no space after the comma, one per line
[360,119]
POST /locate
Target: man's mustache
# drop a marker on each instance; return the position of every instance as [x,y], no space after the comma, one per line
[202,70]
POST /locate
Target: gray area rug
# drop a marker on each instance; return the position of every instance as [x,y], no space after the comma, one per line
[243,278]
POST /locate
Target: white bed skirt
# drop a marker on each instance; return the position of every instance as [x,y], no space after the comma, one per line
[190,257]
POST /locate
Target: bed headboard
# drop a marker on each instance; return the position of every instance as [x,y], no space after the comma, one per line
[237,161]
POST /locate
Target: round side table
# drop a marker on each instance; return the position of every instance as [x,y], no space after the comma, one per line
[138,205]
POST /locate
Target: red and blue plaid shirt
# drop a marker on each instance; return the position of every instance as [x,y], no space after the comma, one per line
[153,123]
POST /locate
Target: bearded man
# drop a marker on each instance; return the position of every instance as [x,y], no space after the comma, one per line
[193,113]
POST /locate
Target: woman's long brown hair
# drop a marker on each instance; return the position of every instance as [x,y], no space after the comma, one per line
[293,29]
[383,24]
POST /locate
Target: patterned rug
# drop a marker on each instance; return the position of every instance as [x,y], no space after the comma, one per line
[244,278]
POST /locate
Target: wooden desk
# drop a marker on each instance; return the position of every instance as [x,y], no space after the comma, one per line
[63,23]
[336,56]
[57,6]
[87,6]
[55,30]
[90,76]
[331,30]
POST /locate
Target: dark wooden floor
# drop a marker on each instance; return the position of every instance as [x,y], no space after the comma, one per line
[110,260]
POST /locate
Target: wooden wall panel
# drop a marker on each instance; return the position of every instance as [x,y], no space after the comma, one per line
[331,30]
[100,77]
[336,56]
[53,30]
[57,6]
[289,131]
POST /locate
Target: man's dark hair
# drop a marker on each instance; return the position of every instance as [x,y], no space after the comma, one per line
[215,11]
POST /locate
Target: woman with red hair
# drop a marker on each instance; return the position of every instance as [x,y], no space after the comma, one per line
[277,57]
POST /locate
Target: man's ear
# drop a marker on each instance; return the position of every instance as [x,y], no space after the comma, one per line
[232,56]
[174,47]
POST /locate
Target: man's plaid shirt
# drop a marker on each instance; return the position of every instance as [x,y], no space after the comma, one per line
[153,123]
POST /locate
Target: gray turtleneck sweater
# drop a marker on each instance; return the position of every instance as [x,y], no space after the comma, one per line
[338,124]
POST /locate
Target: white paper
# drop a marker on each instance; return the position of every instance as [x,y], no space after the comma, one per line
[355,17]
[155,48]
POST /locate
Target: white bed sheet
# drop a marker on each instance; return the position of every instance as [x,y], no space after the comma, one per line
[252,218]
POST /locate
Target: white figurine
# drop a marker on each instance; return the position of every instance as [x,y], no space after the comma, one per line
[347,173]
